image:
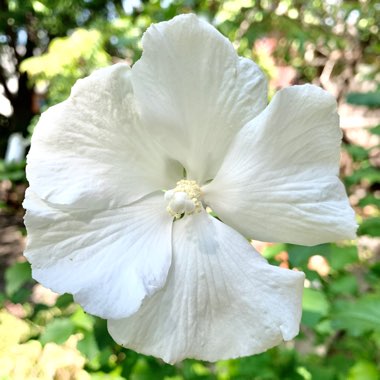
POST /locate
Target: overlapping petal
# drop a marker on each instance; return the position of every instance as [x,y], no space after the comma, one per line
[110,260]
[90,151]
[221,300]
[279,181]
[195,93]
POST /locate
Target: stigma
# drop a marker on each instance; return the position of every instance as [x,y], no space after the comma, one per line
[184,199]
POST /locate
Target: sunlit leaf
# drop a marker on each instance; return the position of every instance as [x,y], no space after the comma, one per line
[270,251]
[12,331]
[83,320]
[364,370]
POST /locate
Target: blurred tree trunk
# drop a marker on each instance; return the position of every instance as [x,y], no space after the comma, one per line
[22,99]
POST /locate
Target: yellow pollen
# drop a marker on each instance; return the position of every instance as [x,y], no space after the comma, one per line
[184,199]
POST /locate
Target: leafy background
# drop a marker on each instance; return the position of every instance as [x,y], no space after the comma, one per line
[46,45]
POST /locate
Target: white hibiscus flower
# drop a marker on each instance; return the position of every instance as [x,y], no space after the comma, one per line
[191,118]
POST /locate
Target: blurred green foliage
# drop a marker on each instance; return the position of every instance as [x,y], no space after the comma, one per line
[12,171]
[369,99]
[340,336]
[52,43]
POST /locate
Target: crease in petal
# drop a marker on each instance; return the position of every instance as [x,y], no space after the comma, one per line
[110,260]
[221,300]
[194,92]
[279,180]
[90,151]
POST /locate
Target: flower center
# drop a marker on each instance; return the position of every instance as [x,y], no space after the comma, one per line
[184,199]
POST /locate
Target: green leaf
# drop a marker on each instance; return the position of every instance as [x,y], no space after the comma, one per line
[57,331]
[82,320]
[357,152]
[344,285]
[320,372]
[22,295]
[368,174]
[364,370]
[299,255]
[370,199]
[315,306]
[340,256]
[370,226]
[142,370]
[358,317]
[88,346]
[375,130]
[270,251]
[375,269]
[64,300]
[369,99]
[2,299]
[324,327]
[16,276]
[106,376]
[12,171]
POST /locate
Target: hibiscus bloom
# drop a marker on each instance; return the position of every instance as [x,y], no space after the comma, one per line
[121,174]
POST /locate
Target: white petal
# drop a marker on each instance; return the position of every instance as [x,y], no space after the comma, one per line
[221,300]
[195,92]
[279,181]
[90,151]
[110,260]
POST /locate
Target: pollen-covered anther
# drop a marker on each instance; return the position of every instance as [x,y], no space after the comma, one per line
[184,199]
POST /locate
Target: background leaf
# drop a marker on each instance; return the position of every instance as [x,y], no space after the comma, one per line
[57,331]
[358,317]
[16,276]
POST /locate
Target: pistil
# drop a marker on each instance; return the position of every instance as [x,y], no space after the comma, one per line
[184,199]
